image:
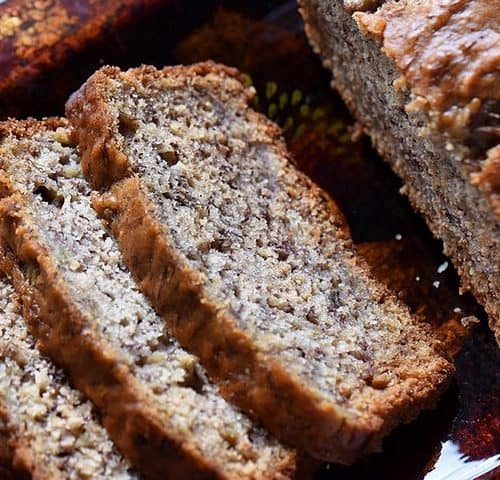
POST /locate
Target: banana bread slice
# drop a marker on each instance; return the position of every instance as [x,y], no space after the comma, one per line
[50,431]
[86,312]
[423,78]
[249,261]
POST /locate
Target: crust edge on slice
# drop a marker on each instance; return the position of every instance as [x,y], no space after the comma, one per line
[247,377]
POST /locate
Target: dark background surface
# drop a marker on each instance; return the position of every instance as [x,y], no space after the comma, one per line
[265,40]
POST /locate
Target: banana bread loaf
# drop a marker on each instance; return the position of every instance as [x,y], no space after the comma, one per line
[49,430]
[249,261]
[86,312]
[423,77]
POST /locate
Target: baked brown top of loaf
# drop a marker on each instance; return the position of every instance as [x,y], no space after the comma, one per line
[449,56]
[155,397]
[249,261]
[52,430]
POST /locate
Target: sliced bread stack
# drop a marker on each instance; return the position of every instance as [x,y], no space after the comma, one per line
[246,259]
[86,313]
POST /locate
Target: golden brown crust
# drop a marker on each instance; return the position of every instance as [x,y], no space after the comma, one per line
[23,463]
[451,62]
[30,126]
[5,448]
[247,377]
[18,461]
[69,337]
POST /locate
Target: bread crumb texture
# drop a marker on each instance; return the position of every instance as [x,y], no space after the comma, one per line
[53,430]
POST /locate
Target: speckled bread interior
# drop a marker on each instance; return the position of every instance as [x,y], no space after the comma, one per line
[51,431]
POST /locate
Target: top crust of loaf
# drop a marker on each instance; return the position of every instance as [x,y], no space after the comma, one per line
[251,377]
[451,63]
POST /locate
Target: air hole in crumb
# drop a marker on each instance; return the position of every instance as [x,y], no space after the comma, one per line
[207,107]
[222,245]
[127,125]
[64,159]
[169,155]
[312,317]
[230,437]
[193,380]
[165,194]
[141,361]
[335,299]
[205,153]
[254,436]
[105,234]
[49,195]
[4,189]
[283,254]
